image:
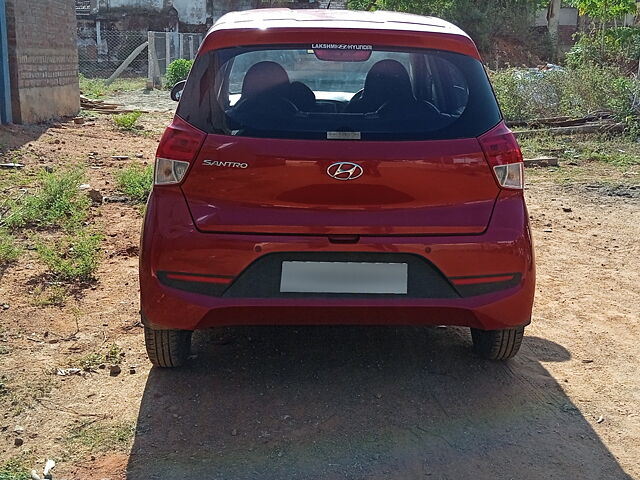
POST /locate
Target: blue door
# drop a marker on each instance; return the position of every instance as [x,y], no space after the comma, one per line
[5,91]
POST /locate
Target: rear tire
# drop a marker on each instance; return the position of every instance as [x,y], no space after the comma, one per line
[167,348]
[497,344]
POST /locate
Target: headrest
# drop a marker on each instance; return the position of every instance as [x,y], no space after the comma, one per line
[263,78]
[387,78]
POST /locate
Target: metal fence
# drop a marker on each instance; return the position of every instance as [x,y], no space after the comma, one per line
[100,54]
[165,47]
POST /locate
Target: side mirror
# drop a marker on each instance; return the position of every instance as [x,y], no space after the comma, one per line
[176,91]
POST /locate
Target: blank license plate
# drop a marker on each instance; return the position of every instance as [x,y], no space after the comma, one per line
[344,277]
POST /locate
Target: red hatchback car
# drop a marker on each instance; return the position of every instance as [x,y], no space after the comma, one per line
[336,167]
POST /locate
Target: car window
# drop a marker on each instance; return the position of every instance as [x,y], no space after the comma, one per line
[311,92]
[303,66]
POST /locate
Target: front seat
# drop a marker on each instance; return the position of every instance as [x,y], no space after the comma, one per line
[387,81]
[265,90]
[302,97]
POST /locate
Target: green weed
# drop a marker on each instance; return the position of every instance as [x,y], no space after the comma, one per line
[73,258]
[127,121]
[135,181]
[614,157]
[56,202]
[92,361]
[21,393]
[9,250]
[95,437]
[92,87]
[96,88]
[54,295]
[15,469]
[114,354]
[617,151]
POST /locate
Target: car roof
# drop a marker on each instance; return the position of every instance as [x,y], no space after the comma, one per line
[333,19]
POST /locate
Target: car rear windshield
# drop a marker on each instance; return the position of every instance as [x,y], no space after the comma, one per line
[339,92]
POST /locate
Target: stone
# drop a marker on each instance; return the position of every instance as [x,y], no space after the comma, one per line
[541,162]
[116,199]
[95,196]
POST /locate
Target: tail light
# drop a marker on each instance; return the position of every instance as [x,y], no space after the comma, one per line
[178,147]
[504,156]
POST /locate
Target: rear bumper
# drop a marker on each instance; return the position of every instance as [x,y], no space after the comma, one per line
[171,243]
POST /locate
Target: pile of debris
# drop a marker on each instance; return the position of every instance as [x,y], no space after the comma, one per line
[598,122]
[101,106]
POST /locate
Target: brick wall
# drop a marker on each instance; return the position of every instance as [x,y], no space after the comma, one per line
[43,59]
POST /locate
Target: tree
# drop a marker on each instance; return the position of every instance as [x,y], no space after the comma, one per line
[553,24]
[605,10]
[482,19]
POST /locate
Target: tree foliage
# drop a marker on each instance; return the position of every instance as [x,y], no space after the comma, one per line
[605,10]
[482,19]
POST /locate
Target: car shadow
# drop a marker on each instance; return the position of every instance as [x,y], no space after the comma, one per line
[361,402]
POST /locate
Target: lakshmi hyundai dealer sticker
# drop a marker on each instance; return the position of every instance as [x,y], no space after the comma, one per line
[340,46]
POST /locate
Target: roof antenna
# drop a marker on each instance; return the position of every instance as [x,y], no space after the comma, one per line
[329,5]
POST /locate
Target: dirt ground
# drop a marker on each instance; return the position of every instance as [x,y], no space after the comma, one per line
[332,402]
[146,100]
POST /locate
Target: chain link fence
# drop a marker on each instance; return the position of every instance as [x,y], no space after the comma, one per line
[100,54]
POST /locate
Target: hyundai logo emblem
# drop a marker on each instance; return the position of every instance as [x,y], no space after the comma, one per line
[345,171]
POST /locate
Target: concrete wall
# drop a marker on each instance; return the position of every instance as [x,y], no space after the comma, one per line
[568,17]
[191,15]
[191,12]
[43,59]
[142,4]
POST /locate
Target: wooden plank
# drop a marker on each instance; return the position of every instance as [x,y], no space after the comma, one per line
[167,47]
[599,127]
[151,51]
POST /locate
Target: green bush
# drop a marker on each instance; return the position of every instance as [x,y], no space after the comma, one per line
[616,47]
[177,71]
[56,202]
[135,181]
[127,121]
[524,94]
[74,258]
[513,90]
